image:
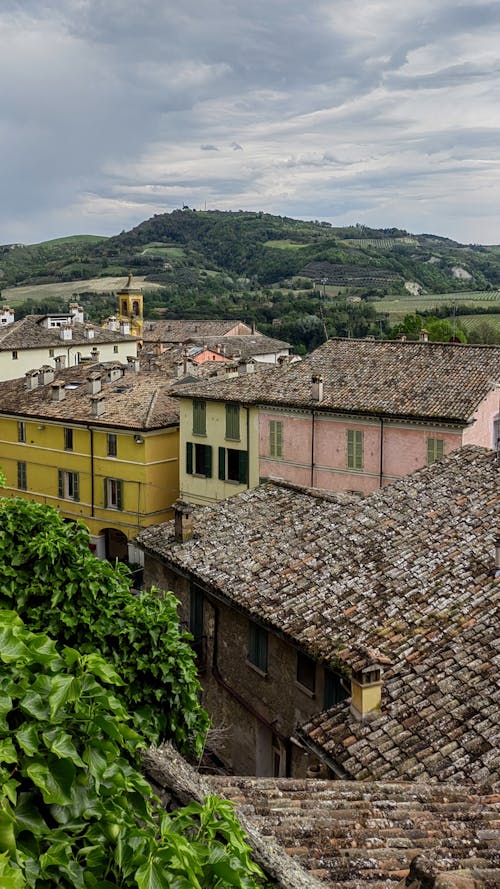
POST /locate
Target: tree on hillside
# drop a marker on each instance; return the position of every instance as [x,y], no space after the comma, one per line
[75,811]
[49,575]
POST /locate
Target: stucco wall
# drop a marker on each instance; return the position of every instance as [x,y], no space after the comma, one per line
[31,359]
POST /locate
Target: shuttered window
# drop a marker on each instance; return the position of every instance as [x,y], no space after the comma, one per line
[233,465]
[22,477]
[68,485]
[435,450]
[334,692]
[257,646]
[21,431]
[112,444]
[276,438]
[113,493]
[68,439]
[199,417]
[233,421]
[198,459]
[355,446]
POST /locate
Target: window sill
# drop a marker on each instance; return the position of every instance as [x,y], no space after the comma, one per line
[257,669]
[305,690]
[228,438]
[200,434]
[233,481]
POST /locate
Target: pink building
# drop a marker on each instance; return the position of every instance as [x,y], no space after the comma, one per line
[358,414]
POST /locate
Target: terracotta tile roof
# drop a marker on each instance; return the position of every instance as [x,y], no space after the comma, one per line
[180,330]
[246,345]
[30,333]
[134,401]
[406,571]
[358,834]
[392,378]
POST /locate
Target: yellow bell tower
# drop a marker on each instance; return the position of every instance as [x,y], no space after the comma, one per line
[130,307]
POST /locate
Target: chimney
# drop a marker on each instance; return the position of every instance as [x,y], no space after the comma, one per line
[97,404]
[366,690]
[114,373]
[183,521]
[94,383]
[113,323]
[60,361]
[31,379]
[46,375]
[57,392]
[218,348]
[133,363]
[89,332]
[423,335]
[158,349]
[65,332]
[317,387]
[76,313]
[402,337]
[125,327]
[6,316]
[246,366]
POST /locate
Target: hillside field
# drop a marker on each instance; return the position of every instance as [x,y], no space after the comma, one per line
[399,306]
[69,290]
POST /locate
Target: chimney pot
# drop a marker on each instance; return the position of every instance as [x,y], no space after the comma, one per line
[183,521]
[424,335]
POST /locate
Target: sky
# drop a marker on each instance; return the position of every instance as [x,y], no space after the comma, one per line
[379,112]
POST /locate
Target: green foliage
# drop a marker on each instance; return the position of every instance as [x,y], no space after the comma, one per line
[440,330]
[58,586]
[75,811]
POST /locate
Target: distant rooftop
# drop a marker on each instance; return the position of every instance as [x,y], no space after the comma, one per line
[179,330]
[30,333]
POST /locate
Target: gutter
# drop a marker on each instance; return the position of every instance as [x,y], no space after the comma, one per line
[319,753]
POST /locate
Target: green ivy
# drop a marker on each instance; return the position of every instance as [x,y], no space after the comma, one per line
[75,811]
[49,575]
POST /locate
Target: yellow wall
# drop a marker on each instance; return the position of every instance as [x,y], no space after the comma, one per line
[198,489]
[149,472]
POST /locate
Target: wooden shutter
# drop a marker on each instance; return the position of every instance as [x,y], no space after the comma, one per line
[189,457]
[272,438]
[199,417]
[439,448]
[76,486]
[60,483]
[279,438]
[119,494]
[222,464]
[233,421]
[243,467]
[208,461]
[358,453]
[105,493]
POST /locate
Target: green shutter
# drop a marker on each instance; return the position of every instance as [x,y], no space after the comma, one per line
[60,483]
[354,449]
[208,461]
[105,493]
[435,449]
[243,467]
[279,438]
[233,421]
[189,457]
[222,463]
[76,486]
[359,450]
[272,438]
[439,448]
[119,494]
[199,417]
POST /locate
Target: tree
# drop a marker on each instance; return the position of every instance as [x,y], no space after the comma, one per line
[75,811]
[49,575]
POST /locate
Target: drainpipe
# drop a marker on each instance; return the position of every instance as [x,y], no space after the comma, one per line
[92,510]
[248,448]
[381,472]
[312,448]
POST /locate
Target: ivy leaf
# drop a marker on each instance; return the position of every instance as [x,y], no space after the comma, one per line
[104,671]
[63,690]
[27,738]
[55,781]
[60,743]
[8,752]
[152,876]
[27,815]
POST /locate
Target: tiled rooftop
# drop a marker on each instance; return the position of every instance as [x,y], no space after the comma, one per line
[391,378]
[134,401]
[408,571]
[30,333]
[246,345]
[180,330]
[357,834]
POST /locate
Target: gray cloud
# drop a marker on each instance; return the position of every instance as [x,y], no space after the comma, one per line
[347,112]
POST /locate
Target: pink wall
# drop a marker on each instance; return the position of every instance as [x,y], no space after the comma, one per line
[404,447]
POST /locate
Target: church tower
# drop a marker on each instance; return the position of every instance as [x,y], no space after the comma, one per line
[130,307]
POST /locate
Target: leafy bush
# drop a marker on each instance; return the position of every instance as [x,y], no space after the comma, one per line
[49,575]
[75,811]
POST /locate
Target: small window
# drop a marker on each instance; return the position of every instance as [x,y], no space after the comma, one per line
[198,459]
[233,421]
[355,449]
[22,478]
[68,439]
[14,354]
[113,493]
[68,485]
[112,443]
[334,691]
[233,465]
[435,450]
[306,671]
[115,349]
[124,307]
[257,646]
[51,353]
[199,417]
[21,431]
[276,438]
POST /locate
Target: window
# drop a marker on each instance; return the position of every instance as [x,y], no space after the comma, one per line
[22,479]
[113,493]
[334,691]
[198,459]
[68,439]
[257,646]
[275,438]
[233,421]
[51,353]
[115,349]
[233,465]
[196,612]
[435,450]
[68,485]
[199,417]
[21,431]
[112,444]
[124,307]
[306,671]
[14,354]
[354,449]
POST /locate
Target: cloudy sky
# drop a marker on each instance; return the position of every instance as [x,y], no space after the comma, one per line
[382,112]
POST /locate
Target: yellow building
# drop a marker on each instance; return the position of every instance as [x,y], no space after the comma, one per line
[99,443]
[130,310]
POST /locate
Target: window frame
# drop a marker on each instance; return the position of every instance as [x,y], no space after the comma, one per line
[194,459]
[435,449]
[113,493]
[112,444]
[276,439]
[258,647]
[21,431]
[355,449]
[305,676]
[199,416]
[15,355]
[68,438]
[22,475]
[233,422]
[333,691]
[68,485]
[241,458]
